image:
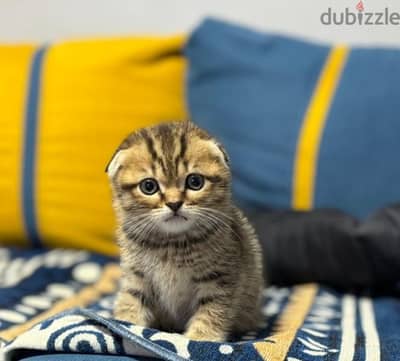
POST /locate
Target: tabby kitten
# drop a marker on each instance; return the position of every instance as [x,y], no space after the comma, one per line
[191,262]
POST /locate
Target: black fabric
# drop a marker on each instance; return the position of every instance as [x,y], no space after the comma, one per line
[331,247]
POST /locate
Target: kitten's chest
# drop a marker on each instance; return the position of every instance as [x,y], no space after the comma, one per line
[174,291]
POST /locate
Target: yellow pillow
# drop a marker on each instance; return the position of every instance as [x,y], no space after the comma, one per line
[64,109]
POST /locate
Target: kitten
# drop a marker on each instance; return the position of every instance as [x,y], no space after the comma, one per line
[191,262]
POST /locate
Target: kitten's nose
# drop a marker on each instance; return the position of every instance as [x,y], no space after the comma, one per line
[174,205]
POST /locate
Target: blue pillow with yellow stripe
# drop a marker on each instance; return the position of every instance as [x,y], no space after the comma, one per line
[64,109]
[306,125]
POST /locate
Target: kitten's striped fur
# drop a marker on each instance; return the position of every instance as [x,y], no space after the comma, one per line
[201,274]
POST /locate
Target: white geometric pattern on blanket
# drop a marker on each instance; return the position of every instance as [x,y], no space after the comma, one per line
[59,336]
[324,316]
[13,271]
[180,343]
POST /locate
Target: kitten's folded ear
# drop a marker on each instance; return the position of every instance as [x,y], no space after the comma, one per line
[115,163]
[223,151]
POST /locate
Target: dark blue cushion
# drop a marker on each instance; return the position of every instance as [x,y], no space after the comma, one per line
[305,125]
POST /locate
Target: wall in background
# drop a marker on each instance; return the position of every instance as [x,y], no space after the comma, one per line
[47,20]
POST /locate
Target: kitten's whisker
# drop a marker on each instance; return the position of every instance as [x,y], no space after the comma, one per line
[220,222]
[146,230]
[202,216]
[210,216]
[214,222]
[138,227]
[150,230]
[217,212]
[218,216]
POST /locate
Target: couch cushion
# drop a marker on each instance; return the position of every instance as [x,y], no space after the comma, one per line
[306,125]
[65,108]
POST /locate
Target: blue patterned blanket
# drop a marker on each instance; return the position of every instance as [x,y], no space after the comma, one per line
[56,305]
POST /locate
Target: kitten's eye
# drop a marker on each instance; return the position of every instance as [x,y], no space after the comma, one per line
[195,181]
[148,186]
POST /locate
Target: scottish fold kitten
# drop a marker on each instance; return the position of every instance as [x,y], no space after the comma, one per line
[191,262]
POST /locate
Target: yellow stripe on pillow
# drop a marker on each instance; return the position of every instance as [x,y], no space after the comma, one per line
[306,158]
[15,62]
[94,93]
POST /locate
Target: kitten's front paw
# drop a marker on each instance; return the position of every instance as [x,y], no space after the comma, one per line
[205,335]
[134,317]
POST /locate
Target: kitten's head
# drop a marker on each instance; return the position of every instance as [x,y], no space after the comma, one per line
[169,179]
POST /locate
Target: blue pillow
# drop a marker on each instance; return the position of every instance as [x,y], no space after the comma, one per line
[306,125]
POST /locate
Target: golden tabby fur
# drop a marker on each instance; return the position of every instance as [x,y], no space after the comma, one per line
[191,262]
